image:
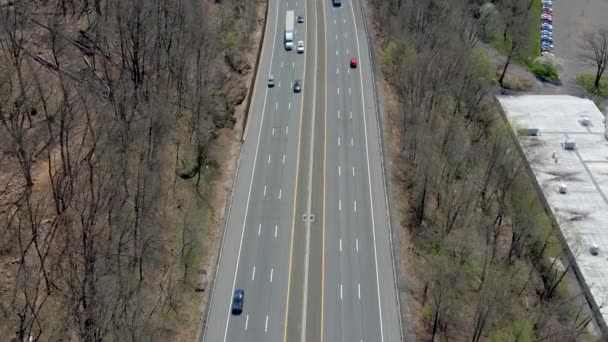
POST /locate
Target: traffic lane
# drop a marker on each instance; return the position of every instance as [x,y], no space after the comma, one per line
[371,320]
[270,189]
[214,329]
[383,246]
[314,297]
[260,252]
[293,313]
[352,103]
[332,277]
[261,304]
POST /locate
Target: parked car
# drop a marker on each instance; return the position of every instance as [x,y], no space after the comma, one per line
[548,10]
[546,6]
[238,300]
[548,2]
[546,39]
[546,53]
[546,27]
[546,33]
[546,18]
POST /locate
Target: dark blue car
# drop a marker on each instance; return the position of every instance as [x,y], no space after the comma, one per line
[237,301]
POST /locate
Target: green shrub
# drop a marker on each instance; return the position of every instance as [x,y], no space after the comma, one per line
[546,67]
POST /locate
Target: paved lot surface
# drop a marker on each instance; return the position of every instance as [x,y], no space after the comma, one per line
[571,19]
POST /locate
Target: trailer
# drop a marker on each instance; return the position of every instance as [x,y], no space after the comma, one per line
[289,20]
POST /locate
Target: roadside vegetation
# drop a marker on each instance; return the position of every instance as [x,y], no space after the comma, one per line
[484,261]
[110,115]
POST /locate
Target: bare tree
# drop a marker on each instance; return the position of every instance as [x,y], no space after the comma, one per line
[516,14]
[594,52]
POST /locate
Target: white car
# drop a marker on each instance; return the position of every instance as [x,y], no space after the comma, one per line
[300,47]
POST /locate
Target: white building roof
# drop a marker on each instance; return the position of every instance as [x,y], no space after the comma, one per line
[582,212]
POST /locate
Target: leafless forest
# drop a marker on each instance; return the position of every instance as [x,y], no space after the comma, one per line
[484,262]
[108,112]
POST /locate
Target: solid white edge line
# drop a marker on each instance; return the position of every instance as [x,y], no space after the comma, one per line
[369,178]
[257,147]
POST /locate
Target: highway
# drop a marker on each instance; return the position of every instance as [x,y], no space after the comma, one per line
[307,234]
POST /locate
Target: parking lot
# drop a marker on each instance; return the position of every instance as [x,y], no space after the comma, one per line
[570,20]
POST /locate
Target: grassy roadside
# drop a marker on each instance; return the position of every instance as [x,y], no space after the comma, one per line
[532,47]
[586,81]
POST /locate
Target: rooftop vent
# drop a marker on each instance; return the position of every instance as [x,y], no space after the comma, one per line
[563,188]
[569,144]
[528,132]
[585,121]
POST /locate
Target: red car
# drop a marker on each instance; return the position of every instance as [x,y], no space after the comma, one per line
[353,62]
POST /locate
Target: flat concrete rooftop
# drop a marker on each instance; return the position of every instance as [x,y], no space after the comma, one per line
[582,212]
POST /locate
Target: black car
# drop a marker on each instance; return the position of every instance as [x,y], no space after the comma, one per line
[337,3]
[300,19]
[297,86]
[238,300]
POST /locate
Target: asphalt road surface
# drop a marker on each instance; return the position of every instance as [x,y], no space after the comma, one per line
[307,235]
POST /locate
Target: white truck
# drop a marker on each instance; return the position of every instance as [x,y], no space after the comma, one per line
[289,30]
